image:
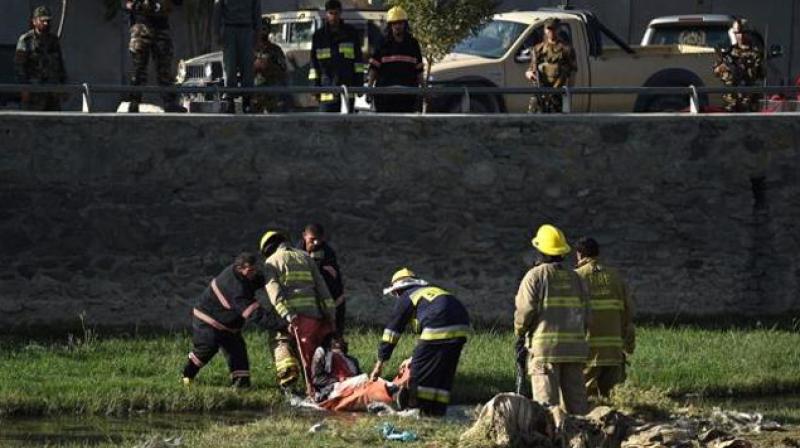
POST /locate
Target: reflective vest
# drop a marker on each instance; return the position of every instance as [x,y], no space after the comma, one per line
[560,334]
[608,310]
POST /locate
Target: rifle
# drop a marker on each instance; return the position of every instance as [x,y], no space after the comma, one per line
[534,105]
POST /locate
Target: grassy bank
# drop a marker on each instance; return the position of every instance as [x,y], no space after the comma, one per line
[98,375]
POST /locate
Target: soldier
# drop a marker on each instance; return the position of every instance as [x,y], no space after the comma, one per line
[335,57]
[552,65]
[270,70]
[38,60]
[236,26]
[150,35]
[742,64]
[550,320]
[612,334]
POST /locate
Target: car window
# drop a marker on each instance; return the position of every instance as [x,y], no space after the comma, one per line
[707,36]
[301,32]
[278,34]
[492,40]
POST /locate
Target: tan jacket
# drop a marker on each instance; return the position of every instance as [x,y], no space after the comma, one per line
[295,286]
[551,313]
[611,330]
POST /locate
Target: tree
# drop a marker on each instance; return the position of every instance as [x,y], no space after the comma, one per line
[439,25]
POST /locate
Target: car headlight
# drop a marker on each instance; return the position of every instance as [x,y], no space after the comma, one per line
[180,77]
[208,71]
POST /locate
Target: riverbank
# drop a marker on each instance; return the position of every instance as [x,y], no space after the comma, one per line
[92,374]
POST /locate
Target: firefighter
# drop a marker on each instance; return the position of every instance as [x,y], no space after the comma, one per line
[335,57]
[221,312]
[550,319]
[397,61]
[315,245]
[611,332]
[442,323]
[297,291]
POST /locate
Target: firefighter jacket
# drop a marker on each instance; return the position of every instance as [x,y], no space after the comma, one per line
[325,258]
[435,315]
[397,63]
[551,313]
[295,286]
[611,330]
[230,300]
[336,58]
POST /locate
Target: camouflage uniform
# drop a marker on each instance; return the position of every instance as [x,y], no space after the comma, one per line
[150,35]
[554,63]
[741,65]
[38,60]
[270,69]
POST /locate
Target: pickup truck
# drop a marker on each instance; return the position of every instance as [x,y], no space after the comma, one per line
[499,53]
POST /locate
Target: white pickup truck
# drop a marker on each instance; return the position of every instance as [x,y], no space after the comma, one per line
[499,54]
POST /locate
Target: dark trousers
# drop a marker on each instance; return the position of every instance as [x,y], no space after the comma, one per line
[335,106]
[206,341]
[433,368]
[42,102]
[396,103]
[237,57]
[341,314]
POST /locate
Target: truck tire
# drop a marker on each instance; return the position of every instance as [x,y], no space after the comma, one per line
[667,103]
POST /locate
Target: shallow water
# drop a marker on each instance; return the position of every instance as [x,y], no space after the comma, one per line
[93,430]
[784,409]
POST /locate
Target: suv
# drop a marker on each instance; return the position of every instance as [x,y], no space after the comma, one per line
[292,31]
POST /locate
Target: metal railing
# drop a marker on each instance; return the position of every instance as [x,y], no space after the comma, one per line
[346,93]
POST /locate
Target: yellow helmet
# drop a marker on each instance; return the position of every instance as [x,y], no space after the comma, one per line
[402,273]
[396,14]
[268,236]
[549,240]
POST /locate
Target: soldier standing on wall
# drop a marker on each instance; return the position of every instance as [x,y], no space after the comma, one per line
[552,65]
[270,70]
[741,64]
[38,60]
[150,35]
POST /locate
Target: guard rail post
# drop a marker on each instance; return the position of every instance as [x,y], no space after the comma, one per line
[344,96]
[566,105]
[694,100]
[86,96]
[465,101]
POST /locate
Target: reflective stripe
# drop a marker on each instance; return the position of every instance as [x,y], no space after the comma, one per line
[195,360]
[326,97]
[606,304]
[450,332]
[563,302]
[240,374]
[210,320]
[433,394]
[312,74]
[561,359]
[285,364]
[361,67]
[281,309]
[374,62]
[249,310]
[390,336]
[301,302]
[399,58]
[220,296]
[605,341]
[323,53]
[559,337]
[296,277]
[346,50]
[429,293]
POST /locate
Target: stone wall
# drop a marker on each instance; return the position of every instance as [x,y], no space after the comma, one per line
[126,218]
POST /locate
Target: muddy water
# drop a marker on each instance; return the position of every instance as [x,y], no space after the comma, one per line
[88,431]
[784,409]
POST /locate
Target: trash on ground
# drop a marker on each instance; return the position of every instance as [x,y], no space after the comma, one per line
[389,432]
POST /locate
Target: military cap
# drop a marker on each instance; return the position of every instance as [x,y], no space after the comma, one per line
[42,12]
[552,22]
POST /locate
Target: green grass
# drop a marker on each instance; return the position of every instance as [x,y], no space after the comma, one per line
[119,376]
